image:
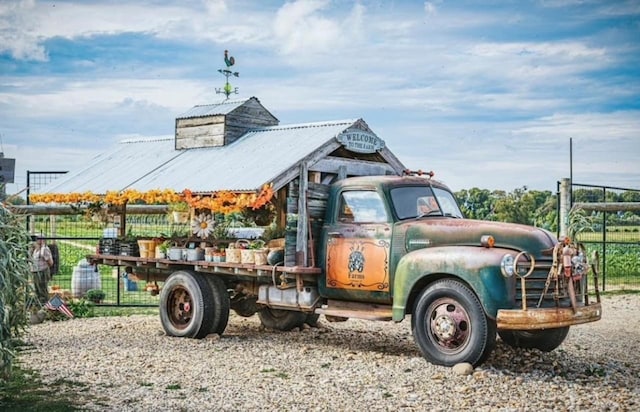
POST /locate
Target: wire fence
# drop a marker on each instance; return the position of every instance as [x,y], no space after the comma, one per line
[614,235]
[74,237]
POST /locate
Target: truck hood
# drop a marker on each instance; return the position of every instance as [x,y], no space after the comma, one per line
[447,232]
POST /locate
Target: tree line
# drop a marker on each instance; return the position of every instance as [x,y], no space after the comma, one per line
[538,208]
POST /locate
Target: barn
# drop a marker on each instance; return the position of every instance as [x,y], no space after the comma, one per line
[239,146]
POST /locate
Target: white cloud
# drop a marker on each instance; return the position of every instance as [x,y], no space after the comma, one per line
[299,27]
[430,8]
[18,34]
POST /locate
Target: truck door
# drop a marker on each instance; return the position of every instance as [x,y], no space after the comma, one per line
[358,246]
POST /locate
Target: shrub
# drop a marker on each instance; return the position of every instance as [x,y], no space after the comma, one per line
[95,295]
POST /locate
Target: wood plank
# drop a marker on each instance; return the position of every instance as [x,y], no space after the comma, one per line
[200,121]
[353,167]
[356,310]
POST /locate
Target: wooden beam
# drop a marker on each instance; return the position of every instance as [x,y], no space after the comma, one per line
[352,167]
[608,206]
[68,210]
[303,233]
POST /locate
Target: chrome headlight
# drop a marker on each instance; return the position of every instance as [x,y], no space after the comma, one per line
[507,266]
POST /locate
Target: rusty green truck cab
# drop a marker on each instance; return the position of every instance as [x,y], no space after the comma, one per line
[384,244]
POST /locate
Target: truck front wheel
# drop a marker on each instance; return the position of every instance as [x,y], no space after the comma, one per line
[279,319]
[186,305]
[545,340]
[450,326]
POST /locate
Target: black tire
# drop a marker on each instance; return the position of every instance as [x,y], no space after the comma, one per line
[245,306]
[186,305]
[545,340]
[450,326]
[312,319]
[221,304]
[283,320]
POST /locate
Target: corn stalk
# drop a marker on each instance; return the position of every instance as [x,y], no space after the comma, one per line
[16,293]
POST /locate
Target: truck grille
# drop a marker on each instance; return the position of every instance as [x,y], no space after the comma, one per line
[556,294]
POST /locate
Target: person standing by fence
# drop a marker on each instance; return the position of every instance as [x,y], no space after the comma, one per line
[41,261]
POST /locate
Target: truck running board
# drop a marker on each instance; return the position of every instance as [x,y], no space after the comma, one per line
[355,310]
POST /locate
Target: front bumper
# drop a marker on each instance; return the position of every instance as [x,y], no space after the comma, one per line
[547,318]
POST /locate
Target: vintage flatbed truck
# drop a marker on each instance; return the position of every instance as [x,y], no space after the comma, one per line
[386,248]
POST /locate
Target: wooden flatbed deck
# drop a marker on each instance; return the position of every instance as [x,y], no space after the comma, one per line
[168,265]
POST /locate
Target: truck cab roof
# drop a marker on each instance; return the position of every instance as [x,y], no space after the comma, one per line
[389,181]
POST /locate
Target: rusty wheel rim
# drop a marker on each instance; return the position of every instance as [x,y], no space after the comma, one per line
[180,308]
[449,325]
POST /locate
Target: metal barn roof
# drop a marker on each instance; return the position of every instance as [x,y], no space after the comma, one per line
[258,157]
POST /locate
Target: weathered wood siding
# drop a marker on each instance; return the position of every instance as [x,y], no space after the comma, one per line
[317,195]
[195,132]
[218,129]
[250,115]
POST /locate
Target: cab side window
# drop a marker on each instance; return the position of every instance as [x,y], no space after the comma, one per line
[361,206]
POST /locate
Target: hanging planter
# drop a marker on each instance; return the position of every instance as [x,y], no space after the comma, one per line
[180,217]
[179,212]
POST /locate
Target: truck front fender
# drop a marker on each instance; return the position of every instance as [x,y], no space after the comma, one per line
[479,267]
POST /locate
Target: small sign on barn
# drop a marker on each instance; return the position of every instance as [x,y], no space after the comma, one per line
[360,141]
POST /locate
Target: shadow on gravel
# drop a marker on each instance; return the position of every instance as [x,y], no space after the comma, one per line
[343,337]
[571,364]
[25,391]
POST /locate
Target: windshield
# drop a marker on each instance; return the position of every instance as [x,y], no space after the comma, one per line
[411,202]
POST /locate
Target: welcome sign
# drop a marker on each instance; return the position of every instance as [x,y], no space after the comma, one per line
[360,141]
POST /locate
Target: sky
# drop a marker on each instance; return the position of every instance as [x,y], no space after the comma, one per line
[496,95]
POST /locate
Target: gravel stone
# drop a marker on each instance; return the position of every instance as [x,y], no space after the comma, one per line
[129,364]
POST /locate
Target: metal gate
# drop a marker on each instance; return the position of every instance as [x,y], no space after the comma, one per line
[614,214]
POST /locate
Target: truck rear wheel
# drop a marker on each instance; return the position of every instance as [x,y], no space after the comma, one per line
[545,340]
[312,319]
[186,305]
[450,326]
[279,319]
[220,306]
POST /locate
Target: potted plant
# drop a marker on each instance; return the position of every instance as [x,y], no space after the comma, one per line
[162,249]
[179,212]
[95,295]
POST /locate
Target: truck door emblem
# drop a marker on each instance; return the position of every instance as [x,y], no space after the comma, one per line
[358,263]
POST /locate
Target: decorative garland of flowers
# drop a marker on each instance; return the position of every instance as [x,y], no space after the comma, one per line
[229,202]
[220,202]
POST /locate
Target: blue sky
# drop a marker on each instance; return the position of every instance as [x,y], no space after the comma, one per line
[486,94]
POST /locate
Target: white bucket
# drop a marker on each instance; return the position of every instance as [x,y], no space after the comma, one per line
[84,277]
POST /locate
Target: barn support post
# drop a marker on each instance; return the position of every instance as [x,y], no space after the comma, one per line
[302,235]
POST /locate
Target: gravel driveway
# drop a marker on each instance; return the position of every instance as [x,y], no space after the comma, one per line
[128,364]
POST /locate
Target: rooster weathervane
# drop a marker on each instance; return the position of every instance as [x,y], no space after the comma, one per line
[227,89]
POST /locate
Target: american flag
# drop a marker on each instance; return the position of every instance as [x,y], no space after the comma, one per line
[56,303]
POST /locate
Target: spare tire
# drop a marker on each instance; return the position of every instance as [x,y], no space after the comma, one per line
[279,319]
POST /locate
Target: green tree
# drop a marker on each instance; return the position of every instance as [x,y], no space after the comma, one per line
[15,290]
[587,195]
[546,213]
[516,207]
[476,203]
[630,196]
